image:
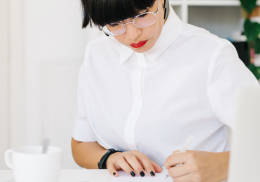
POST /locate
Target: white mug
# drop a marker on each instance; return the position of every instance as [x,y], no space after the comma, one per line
[29,164]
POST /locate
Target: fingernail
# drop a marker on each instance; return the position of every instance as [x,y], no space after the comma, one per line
[152,173]
[142,173]
[132,173]
[114,173]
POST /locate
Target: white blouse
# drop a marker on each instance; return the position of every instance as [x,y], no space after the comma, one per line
[185,86]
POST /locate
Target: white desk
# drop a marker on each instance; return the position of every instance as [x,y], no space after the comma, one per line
[67,175]
[83,175]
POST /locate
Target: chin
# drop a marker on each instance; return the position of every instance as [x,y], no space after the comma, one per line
[139,50]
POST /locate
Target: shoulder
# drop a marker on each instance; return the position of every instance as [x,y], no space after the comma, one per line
[204,38]
[200,42]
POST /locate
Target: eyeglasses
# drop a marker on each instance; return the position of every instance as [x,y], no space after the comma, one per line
[142,20]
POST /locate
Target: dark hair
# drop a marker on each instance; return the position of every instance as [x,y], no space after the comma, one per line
[102,12]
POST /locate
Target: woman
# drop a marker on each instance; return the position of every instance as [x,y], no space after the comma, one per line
[153,86]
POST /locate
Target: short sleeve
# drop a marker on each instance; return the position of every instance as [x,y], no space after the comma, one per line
[227,75]
[82,130]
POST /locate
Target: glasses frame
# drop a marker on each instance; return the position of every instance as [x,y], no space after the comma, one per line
[132,20]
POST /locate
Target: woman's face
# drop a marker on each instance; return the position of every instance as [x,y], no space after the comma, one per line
[135,37]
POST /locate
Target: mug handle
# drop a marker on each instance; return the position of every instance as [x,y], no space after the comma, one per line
[9,158]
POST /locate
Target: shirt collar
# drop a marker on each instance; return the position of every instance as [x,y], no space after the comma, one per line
[170,32]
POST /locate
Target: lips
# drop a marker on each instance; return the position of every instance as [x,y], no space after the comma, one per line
[139,44]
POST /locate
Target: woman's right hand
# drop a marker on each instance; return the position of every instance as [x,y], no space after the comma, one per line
[132,162]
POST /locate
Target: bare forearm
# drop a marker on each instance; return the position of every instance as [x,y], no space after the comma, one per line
[87,154]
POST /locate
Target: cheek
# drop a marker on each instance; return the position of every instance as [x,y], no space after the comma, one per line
[149,32]
[152,32]
[121,39]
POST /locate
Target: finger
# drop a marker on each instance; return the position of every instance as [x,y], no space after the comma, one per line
[125,166]
[179,171]
[112,170]
[147,164]
[156,167]
[176,158]
[189,177]
[135,164]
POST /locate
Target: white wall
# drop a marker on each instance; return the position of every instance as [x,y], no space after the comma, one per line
[38,71]
[4,78]
[54,47]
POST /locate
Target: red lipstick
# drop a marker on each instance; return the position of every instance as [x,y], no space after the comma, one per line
[139,44]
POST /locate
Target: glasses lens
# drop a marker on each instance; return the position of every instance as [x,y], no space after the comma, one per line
[145,20]
[116,28]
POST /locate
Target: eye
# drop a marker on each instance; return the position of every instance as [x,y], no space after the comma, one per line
[142,15]
[114,24]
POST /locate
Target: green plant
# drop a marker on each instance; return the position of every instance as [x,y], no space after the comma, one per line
[251,31]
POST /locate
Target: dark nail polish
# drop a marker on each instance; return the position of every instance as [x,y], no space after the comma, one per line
[142,173]
[132,173]
[152,173]
[114,173]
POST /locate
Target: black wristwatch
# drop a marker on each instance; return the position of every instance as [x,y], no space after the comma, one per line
[102,163]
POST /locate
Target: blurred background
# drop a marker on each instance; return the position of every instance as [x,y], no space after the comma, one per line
[42,47]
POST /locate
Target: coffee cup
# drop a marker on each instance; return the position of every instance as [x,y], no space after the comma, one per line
[30,164]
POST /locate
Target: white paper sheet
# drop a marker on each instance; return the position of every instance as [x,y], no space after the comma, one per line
[159,177]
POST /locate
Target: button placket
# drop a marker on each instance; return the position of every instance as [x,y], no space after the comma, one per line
[137,79]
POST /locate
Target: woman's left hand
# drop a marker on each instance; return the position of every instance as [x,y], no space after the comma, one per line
[197,166]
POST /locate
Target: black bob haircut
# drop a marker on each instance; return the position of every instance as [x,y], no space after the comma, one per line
[102,12]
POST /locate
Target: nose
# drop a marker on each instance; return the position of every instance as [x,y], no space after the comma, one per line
[132,32]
